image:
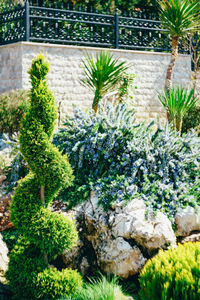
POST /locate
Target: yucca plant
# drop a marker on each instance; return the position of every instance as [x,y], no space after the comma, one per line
[102,74]
[179,17]
[177,102]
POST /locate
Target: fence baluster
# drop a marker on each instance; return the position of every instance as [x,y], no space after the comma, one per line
[27,22]
[116,29]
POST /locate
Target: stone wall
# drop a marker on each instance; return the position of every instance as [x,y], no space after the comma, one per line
[66,71]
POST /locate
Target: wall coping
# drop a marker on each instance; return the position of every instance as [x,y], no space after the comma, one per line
[88,48]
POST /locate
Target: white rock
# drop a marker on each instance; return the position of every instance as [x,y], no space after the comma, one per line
[4,260]
[187,220]
[151,234]
[118,257]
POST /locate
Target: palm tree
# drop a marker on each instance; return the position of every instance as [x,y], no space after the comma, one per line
[102,74]
[179,17]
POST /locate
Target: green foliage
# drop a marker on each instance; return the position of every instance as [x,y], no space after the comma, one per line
[121,160]
[192,120]
[109,5]
[177,102]
[10,237]
[100,289]
[173,274]
[180,17]
[51,283]
[48,233]
[13,106]
[125,84]
[102,74]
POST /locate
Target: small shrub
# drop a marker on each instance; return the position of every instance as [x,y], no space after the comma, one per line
[122,160]
[51,283]
[192,120]
[13,106]
[173,274]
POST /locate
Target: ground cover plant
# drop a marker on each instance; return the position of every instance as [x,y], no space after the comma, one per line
[122,160]
[173,274]
[43,234]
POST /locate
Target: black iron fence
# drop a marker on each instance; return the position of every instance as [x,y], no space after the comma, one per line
[35,22]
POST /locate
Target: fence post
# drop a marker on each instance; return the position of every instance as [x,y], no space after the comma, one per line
[27,22]
[116,29]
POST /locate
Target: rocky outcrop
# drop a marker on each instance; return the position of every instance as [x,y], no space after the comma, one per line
[121,239]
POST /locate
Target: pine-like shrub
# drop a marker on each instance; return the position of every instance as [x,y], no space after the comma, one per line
[172,275]
[44,234]
[192,120]
[13,106]
[121,160]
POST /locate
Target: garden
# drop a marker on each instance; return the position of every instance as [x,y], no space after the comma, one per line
[103,207]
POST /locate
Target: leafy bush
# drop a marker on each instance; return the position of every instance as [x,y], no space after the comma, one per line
[44,234]
[13,106]
[173,274]
[122,160]
[192,120]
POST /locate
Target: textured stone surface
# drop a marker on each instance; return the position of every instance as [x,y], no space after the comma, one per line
[3,259]
[121,239]
[187,220]
[151,234]
[66,71]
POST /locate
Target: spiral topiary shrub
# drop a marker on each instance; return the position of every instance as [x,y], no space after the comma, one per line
[172,275]
[44,234]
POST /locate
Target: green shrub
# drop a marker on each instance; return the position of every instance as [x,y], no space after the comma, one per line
[10,237]
[13,106]
[172,275]
[192,120]
[44,234]
[122,160]
[54,283]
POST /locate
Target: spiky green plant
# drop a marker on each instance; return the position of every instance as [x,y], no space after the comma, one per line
[102,74]
[177,102]
[179,17]
[100,289]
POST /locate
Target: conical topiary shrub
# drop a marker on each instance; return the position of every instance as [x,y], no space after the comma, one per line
[44,234]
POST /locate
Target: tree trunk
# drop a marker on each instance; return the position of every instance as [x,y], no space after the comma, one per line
[42,197]
[97,98]
[174,55]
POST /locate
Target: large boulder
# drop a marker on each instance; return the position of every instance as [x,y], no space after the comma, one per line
[119,240]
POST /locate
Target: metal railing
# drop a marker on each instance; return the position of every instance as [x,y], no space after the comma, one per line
[37,23]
